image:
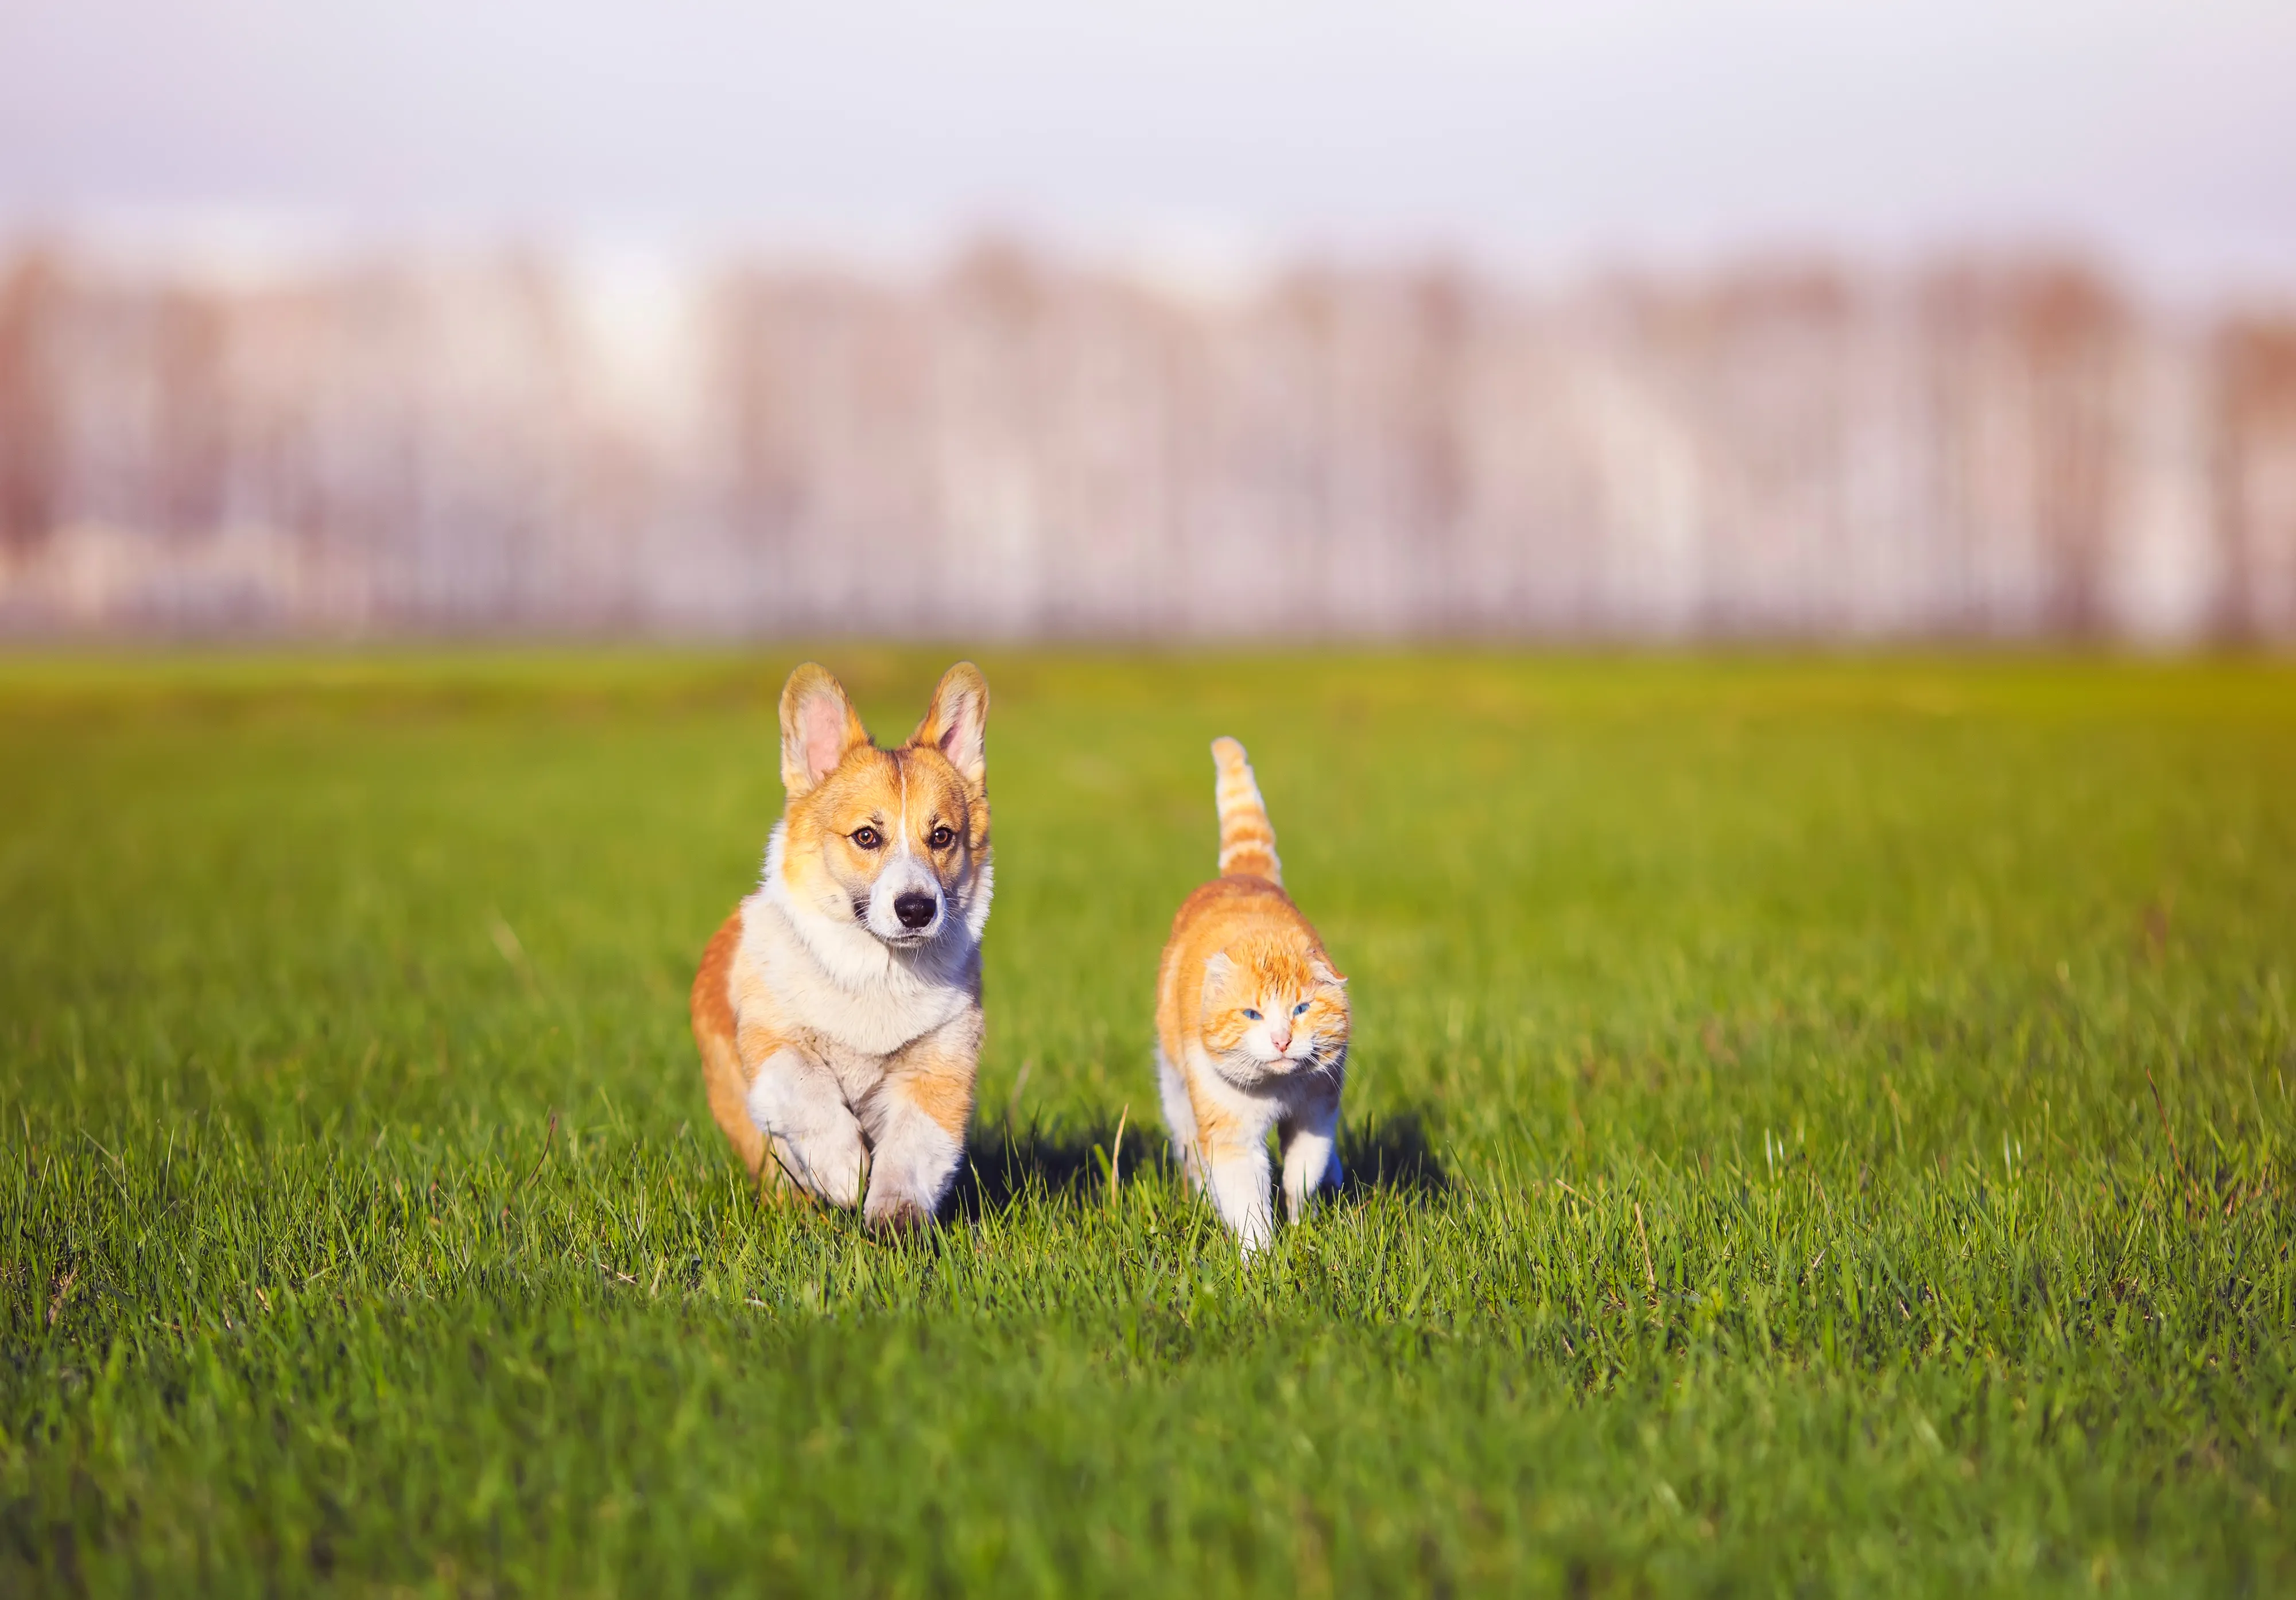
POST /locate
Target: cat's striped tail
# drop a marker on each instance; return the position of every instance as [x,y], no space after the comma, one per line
[1247,838]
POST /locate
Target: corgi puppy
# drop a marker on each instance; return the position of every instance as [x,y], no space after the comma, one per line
[838,1010]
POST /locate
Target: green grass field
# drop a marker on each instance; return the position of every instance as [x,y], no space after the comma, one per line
[1815,1127]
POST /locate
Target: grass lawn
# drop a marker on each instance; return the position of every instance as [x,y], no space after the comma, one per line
[1814,1127]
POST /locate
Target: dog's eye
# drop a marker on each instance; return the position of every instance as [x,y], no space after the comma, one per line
[1251,1014]
[942,837]
[868,839]
[1300,1009]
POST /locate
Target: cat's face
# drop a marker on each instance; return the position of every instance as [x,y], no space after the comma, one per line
[1278,1008]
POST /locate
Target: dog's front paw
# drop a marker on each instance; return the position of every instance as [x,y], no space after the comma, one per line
[896,1216]
[812,1135]
[832,1167]
[909,1172]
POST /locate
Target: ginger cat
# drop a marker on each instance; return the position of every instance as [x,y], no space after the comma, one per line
[1252,1025]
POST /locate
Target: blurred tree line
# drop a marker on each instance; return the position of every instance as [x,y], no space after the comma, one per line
[1019,446]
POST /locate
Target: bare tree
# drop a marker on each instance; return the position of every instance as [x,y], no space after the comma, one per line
[2256,477]
[2068,328]
[31,439]
[189,421]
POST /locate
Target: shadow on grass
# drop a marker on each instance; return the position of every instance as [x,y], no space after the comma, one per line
[1069,1163]
[1393,1157]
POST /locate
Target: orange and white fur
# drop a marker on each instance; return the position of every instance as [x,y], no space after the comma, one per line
[838,1010]
[1251,1026]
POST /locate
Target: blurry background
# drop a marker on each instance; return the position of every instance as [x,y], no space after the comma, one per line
[1657,319]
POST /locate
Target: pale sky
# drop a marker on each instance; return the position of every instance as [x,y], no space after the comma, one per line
[2162,135]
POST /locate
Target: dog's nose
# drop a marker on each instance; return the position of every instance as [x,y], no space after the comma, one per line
[914,910]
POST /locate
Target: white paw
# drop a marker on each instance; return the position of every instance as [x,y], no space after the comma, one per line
[898,1213]
[910,1173]
[831,1162]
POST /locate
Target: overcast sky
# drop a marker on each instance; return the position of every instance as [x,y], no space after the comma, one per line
[2162,135]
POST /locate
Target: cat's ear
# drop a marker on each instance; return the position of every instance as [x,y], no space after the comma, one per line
[957,722]
[1322,973]
[819,727]
[1218,971]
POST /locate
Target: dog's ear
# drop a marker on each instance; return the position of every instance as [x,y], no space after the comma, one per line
[957,724]
[819,728]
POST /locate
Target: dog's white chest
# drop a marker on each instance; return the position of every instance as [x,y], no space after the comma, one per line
[869,1004]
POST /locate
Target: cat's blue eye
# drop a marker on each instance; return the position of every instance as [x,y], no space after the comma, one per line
[1299,1008]
[1251,1014]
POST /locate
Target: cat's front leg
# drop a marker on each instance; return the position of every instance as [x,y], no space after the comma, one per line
[1229,1147]
[1179,1120]
[1241,1188]
[1309,1139]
